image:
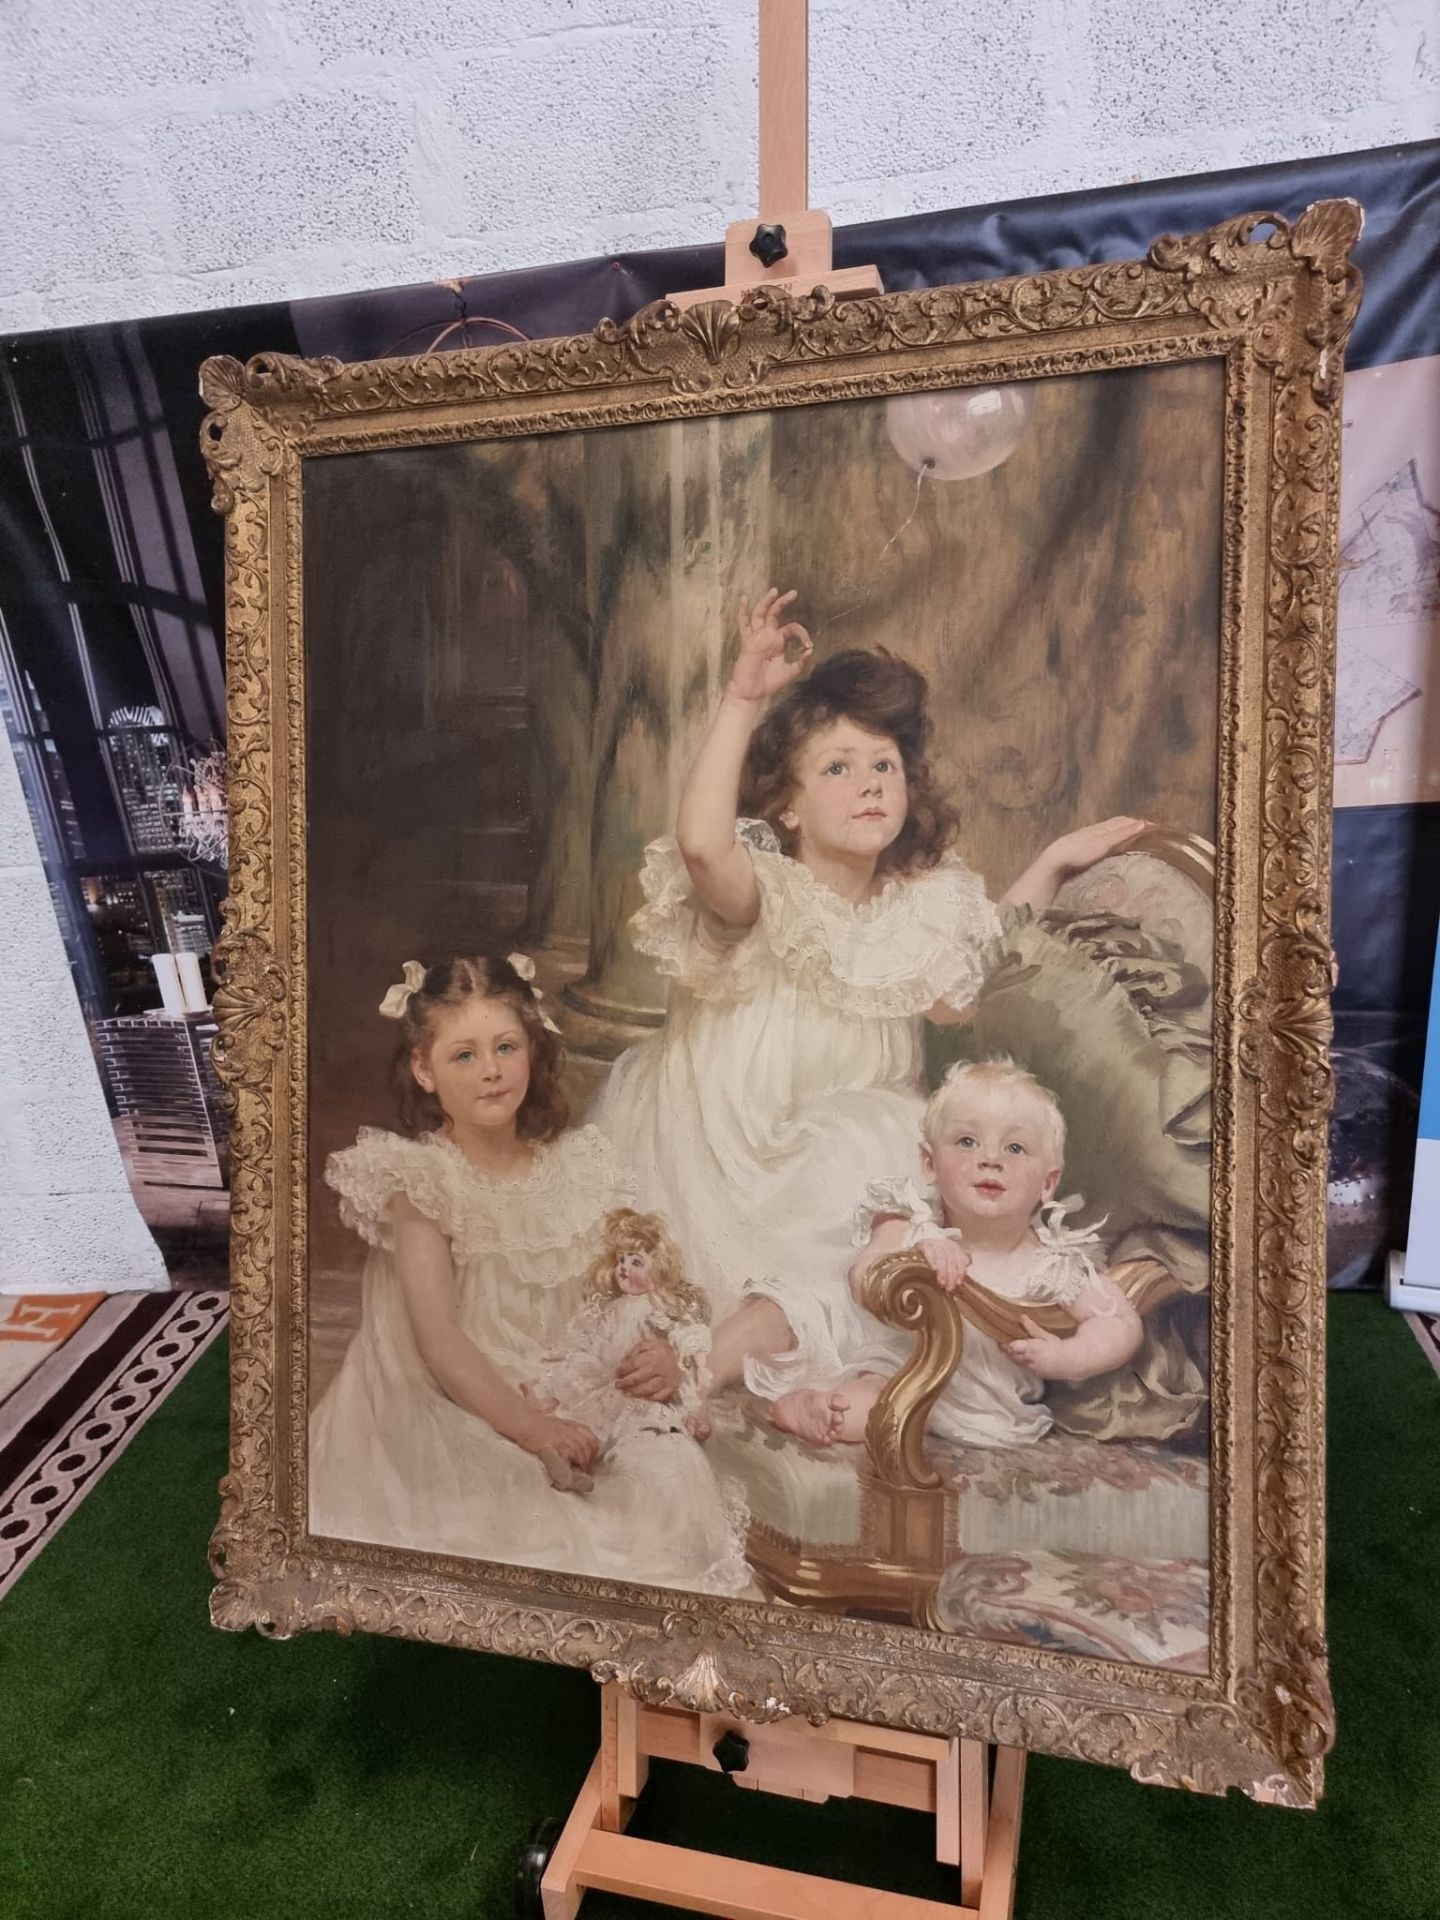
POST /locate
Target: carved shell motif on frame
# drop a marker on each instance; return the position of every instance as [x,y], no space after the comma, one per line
[1276,301]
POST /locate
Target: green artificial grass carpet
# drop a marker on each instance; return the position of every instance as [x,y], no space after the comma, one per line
[150,1766]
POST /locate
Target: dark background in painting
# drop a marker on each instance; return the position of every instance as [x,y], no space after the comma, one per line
[110,560]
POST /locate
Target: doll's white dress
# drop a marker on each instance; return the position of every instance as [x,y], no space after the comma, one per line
[989,1400]
[580,1376]
[789,1069]
[395,1461]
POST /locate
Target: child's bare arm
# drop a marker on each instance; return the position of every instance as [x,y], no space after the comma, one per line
[719,867]
[1108,1335]
[1071,853]
[458,1367]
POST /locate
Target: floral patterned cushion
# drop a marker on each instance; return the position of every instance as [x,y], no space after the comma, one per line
[1065,1463]
[1156,1612]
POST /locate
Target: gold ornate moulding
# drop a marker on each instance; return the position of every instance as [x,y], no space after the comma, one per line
[1272,302]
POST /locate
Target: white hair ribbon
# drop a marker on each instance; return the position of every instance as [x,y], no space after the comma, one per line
[398,998]
[525,967]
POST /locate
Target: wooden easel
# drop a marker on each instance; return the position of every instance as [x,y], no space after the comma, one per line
[977,1819]
[784,179]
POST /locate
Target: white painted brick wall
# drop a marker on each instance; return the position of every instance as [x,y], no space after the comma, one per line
[160,155]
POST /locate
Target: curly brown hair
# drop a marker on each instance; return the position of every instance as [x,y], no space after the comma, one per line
[626,1231]
[883,694]
[544,1111]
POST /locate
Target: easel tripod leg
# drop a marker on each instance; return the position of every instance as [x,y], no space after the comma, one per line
[974,1816]
[1002,1837]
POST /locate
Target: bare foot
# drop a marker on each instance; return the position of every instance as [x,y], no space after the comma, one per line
[811,1414]
[698,1425]
[563,1476]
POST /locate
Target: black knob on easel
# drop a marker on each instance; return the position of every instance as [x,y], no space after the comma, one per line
[732,1752]
[769,244]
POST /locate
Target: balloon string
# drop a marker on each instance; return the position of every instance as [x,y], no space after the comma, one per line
[926,467]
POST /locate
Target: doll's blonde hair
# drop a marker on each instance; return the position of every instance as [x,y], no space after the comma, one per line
[993,1076]
[626,1231]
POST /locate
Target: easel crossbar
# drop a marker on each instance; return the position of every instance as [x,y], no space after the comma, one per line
[741,1890]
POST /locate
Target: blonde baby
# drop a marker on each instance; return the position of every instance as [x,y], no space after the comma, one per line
[993,1144]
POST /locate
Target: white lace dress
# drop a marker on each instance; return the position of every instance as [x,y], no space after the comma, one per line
[988,1401]
[789,1069]
[393,1460]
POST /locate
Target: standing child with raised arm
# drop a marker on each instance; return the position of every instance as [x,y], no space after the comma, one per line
[811,915]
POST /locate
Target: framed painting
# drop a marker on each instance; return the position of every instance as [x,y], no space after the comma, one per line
[775,994]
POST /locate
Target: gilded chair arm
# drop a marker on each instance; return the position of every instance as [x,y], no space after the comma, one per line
[902,1291]
[1146,1283]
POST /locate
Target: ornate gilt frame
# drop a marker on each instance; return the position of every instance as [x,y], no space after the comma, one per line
[1274,302]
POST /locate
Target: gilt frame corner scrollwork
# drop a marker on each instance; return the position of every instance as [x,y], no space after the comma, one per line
[1271,299]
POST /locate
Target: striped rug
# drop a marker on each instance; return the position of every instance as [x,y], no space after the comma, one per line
[79,1410]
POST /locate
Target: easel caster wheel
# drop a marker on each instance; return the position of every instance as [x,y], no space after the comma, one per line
[534,1859]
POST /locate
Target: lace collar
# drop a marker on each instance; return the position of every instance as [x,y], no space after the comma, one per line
[803,883]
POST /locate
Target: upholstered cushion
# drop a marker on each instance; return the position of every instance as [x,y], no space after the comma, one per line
[1153,1611]
[1064,1493]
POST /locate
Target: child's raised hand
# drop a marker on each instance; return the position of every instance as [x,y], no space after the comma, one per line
[1043,1353]
[765,664]
[949,1259]
[1074,852]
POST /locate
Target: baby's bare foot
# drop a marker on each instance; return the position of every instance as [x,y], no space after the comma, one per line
[564,1477]
[699,1426]
[811,1414]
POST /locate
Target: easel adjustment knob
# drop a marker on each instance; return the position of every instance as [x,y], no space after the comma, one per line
[732,1752]
[769,243]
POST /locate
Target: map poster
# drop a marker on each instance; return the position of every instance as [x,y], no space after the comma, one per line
[1387,707]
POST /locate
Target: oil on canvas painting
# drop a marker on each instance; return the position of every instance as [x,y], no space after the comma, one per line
[758,864]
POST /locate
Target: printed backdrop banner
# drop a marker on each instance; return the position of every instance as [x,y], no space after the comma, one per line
[111,602]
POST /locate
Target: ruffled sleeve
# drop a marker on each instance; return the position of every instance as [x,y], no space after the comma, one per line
[903,1199]
[672,927]
[368,1175]
[1069,1258]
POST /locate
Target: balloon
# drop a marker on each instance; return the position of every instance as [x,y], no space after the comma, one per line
[960,432]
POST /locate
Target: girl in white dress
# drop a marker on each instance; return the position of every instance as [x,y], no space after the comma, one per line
[811,916]
[992,1150]
[482,1221]
[636,1286]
